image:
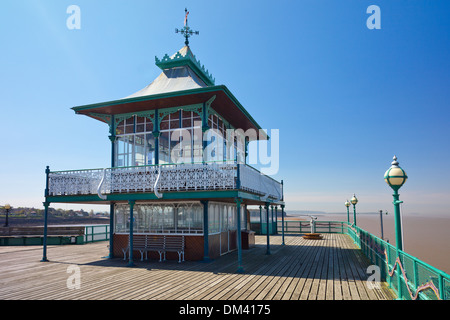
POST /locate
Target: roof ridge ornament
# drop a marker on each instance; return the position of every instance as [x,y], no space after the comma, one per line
[186,31]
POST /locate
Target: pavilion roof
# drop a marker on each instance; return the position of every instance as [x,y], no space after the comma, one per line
[183,81]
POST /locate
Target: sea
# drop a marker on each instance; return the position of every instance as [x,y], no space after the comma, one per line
[426,237]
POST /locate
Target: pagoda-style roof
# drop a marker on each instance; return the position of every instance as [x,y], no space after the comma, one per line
[183,81]
[181,71]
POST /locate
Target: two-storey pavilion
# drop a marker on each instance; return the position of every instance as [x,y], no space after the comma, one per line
[178,164]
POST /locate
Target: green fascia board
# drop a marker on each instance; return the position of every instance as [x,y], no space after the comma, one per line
[187,195]
[223,88]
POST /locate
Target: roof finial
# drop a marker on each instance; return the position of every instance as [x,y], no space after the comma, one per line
[395,162]
[186,31]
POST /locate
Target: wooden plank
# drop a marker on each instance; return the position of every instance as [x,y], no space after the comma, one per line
[331,268]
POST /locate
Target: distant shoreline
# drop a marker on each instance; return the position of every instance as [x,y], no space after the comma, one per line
[32,222]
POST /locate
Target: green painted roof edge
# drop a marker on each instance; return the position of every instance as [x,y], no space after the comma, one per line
[170,95]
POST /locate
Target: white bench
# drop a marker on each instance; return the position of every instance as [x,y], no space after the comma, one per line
[157,243]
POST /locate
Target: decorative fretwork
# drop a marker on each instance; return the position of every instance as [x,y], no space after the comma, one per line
[173,177]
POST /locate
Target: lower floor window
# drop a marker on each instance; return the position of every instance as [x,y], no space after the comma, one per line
[186,217]
[177,217]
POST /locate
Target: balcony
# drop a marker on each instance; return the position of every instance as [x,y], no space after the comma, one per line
[159,179]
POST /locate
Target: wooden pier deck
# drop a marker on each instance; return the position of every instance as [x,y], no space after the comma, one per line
[328,269]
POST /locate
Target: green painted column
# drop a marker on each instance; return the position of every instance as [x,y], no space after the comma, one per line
[354,214]
[205,231]
[398,241]
[111,231]
[267,228]
[240,268]
[272,220]
[46,205]
[348,215]
[282,224]
[44,243]
[112,138]
[398,223]
[156,134]
[260,219]
[130,260]
[276,220]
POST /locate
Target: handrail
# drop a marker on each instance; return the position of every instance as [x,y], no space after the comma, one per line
[377,251]
[401,255]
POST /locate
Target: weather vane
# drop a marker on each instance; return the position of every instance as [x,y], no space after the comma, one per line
[186,31]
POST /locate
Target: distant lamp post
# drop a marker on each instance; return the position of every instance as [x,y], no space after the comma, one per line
[395,177]
[354,201]
[7,208]
[347,204]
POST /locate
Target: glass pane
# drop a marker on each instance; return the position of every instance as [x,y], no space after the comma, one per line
[150,148]
[120,129]
[164,155]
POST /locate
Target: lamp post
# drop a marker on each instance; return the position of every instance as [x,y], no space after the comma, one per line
[7,208]
[347,204]
[395,177]
[354,201]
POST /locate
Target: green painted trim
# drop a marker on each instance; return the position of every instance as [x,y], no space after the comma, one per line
[179,195]
[146,196]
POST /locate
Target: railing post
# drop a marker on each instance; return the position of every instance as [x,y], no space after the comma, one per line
[416,275]
[441,286]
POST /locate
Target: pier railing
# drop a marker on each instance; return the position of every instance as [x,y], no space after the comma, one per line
[418,280]
[164,178]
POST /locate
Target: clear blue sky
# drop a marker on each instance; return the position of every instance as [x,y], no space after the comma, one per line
[345,98]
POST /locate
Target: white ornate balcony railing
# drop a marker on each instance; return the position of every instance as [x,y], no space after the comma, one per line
[172,177]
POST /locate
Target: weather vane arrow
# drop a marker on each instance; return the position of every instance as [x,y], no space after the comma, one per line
[186,31]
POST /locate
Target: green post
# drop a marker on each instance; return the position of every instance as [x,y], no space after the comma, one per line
[398,223]
[272,220]
[260,219]
[130,260]
[398,240]
[354,214]
[44,253]
[276,219]
[395,177]
[267,227]
[111,231]
[282,224]
[156,134]
[205,231]
[240,269]
[46,205]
